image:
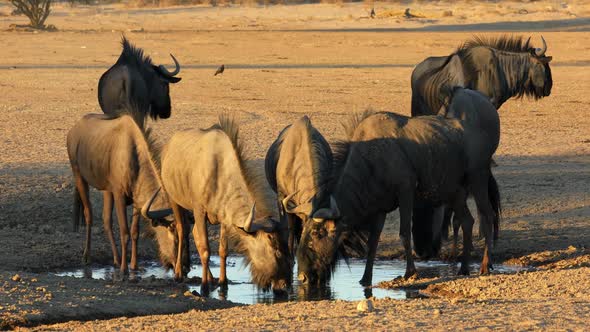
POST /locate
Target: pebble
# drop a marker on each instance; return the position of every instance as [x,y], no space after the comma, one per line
[437,312]
[16,278]
[193,293]
[365,306]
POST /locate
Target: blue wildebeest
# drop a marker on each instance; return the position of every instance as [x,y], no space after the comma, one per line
[298,167]
[135,79]
[204,171]
[391,159]
[499,68]
[112,153]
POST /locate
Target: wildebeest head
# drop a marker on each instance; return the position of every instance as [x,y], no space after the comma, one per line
[264,241]
[160,90]
[164,230]
[316,253]
[541,81]
[135,79]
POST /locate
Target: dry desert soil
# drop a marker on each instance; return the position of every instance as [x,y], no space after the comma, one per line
[324,60]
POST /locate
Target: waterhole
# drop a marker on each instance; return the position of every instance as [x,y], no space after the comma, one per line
[344,284]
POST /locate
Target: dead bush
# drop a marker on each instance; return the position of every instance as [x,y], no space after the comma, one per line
[36,10]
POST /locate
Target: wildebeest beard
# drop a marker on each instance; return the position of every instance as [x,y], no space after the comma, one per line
[267,255]
[322,245]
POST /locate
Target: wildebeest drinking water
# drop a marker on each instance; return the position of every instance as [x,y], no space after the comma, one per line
[298,167]
[390,159]
[135,79]
[113,153]
[204,171]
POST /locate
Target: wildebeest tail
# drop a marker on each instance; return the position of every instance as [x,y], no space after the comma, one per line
[77,215]
[494,195]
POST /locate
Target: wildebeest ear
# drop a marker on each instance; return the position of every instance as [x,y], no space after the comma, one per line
[546,59]
[173,79]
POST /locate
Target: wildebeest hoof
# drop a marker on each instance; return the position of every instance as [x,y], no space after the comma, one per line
[205,290]
[178,278]
[463,271]
[366,282]
[411,275]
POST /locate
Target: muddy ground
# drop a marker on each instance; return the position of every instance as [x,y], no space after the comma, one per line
[327,61]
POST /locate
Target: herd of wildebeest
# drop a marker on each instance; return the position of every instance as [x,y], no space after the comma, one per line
[330,198]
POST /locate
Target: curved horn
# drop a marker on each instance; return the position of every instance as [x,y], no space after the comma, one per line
[526,45]
[159,214]
[248,227]
[285,202]
[332,213]
[166,72]
[541,51]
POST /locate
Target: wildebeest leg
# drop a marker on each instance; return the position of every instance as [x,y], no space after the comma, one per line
[78,210]
[121,209]
[464,218]
[456,225]
[222,257]
[479,188]
[82,187]
[406,202]
[134,238]
[448,214]
[202,243]
[375,232]
[107,220]
[179,226]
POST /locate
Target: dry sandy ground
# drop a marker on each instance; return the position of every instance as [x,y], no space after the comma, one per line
[48,81]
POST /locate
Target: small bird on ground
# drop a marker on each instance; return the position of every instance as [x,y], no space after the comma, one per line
[372,13]
[219,70]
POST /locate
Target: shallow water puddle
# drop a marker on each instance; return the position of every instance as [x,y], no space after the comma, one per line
[344,284]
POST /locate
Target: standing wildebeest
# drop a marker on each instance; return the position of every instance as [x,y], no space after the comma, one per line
[298,167]
[135,79]
[499,68]
[113,154]
[390,159]
[204,171]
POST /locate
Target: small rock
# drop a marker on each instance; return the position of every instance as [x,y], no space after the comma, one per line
[191,294]
[437,312]
[41,289]
[16,278]
[447,13]
[365,306]
[34,280]
[523,11]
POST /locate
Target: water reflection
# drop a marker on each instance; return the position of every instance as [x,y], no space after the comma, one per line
[344,284]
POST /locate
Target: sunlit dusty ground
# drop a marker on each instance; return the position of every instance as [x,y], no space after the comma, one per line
[48,81]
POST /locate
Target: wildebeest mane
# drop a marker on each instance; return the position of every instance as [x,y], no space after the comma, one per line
[133,56]
[323,159]
[341,148]
[154,145]
[252,176]
[504,43]
[270,164]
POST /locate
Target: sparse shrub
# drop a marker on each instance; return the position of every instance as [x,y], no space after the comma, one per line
[36,10]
